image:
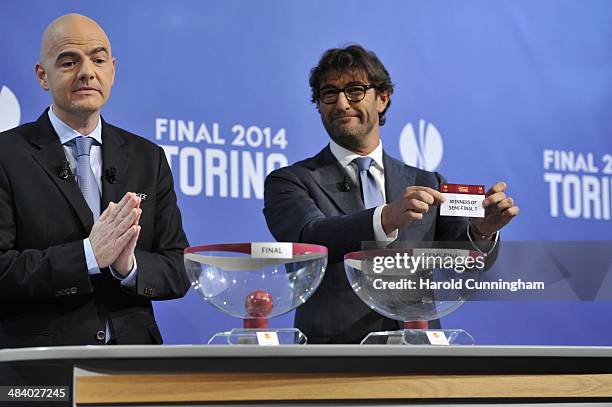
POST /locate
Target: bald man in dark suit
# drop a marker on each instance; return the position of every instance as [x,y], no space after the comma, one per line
[90,231]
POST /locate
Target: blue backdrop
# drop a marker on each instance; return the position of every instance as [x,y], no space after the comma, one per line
[519,91]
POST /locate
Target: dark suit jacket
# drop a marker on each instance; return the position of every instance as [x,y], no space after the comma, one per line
[308,202]
[47,296]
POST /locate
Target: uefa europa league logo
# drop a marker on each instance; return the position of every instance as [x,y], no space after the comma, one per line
[422,149]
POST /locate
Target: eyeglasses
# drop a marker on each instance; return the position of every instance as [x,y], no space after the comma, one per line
[354,93]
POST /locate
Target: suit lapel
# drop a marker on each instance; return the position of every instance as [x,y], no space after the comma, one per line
[114,155]
[49,154]
[331,177]
[397,177]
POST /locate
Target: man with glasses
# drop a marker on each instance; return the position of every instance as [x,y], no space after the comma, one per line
[353,192]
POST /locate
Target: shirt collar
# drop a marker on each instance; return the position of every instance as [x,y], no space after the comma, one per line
[67,134]
[345,157]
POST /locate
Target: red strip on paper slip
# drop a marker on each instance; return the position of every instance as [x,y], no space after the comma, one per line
[462,200]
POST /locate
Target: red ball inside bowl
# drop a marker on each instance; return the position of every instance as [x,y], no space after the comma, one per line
[259,304]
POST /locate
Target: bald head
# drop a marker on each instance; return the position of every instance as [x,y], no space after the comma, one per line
[70,28]
[77,67]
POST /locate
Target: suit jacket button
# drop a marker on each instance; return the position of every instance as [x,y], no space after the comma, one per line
[100,335]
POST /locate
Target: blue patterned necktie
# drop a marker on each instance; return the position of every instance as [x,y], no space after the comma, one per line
[86,178]
[371,193]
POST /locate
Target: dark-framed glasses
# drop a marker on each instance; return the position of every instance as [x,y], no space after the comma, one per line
[354,93]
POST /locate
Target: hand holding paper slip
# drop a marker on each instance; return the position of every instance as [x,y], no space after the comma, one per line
[462,200]
[489,211]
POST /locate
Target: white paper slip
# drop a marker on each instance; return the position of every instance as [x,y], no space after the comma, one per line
[437,338]
[462,200]
[267,338]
